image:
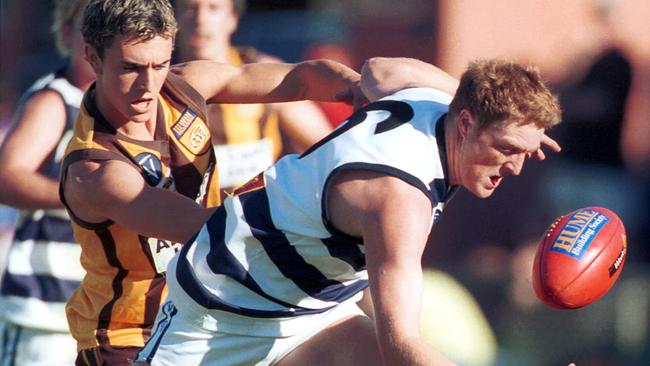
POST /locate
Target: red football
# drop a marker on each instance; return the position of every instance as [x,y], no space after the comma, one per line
[579,258]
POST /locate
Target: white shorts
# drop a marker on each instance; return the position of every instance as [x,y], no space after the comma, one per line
[28,346]
[179,340]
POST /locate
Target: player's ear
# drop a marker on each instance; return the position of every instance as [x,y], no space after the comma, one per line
[465,123]
[93,58]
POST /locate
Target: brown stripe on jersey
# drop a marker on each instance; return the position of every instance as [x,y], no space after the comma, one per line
[217,125]
[147,251]
[110,251]
[100,124]
[188,178]
[152,303]
[88,357]
[181,92]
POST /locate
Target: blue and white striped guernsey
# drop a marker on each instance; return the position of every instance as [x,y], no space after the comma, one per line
[43,267]
[270,250]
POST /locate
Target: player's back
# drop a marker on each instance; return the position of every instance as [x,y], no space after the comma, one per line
[270,250]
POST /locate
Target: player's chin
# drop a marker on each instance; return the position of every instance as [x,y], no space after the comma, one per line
[481,191]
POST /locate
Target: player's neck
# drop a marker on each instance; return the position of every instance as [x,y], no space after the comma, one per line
[141,129]
[451,146]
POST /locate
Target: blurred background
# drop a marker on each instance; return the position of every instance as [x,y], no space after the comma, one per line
[596,56]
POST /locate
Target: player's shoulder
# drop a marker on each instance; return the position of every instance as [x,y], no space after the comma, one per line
[44,102]
[421,93]
[100,173]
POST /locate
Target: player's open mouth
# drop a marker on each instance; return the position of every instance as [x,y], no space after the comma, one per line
[141,105]
[495,180]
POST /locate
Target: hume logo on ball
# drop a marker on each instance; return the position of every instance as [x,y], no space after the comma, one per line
[578,232]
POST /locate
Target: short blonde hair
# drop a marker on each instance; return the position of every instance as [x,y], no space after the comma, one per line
[106,19]
[499,90]
[65,12]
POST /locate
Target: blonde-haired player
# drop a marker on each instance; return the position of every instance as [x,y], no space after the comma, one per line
[274,275]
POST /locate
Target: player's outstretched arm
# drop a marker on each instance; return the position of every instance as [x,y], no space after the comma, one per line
[113,190]
[33,139]
[382,76]
[322,80]
[393,218]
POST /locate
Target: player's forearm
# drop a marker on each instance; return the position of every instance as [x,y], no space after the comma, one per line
[381,76]
[159,213]
[29,191]
[322,80]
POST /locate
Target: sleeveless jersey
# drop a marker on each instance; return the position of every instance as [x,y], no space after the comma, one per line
[124,286]
[43,266]
[246,137]
[270,250]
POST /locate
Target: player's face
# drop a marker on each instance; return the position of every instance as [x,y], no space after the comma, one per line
[130,76]
[205,27]
[487,156]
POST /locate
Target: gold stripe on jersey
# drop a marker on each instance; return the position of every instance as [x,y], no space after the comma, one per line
[119,298]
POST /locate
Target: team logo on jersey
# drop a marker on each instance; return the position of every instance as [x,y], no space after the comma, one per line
[187,117]
[578,233]
[192,132]
[152,167]
[198,136]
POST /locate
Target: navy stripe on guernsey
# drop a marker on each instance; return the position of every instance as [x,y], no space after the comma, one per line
[346,249]
[9,340]
[280,251]
[146,354]
[40,286]
[47,228]
[291,264]
[190,283]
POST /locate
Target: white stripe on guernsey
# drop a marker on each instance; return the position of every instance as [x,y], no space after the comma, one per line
[63,144]
[34,313]
[61,260]
[59,213]
[71,94]
[230,291]
[263,270]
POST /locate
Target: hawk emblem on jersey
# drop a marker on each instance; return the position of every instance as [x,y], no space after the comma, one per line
[252,185]
[152,167]
[192,132]
[198,136]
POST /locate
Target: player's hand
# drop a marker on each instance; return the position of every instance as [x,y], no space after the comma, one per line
[353,96]
[550,143]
